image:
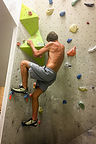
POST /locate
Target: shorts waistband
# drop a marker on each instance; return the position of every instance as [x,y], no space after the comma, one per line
[49,69]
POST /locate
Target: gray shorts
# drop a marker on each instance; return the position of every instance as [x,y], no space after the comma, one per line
[44,76]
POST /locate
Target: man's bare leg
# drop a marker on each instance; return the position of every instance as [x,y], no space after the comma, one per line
[24,72]
[35,103]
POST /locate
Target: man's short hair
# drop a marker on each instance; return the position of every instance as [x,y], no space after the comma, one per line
[52,36]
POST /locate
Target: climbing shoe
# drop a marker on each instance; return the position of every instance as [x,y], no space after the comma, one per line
[29,122]
[21,89]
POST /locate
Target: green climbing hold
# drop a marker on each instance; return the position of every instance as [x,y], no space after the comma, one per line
[30,23]
[81,104]
[74,2]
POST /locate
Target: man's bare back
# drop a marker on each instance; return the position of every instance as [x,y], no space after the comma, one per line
[55,55]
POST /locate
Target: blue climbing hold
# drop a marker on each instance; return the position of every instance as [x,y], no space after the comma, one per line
[64,102]
[26,96]
[50,2]
[11,92]
[79,76]
[69,40]
[62,13]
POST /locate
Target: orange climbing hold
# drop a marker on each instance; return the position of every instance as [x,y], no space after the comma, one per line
[72,52]
[34,85]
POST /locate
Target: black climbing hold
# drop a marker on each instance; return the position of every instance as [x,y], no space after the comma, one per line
[89,4]
[64,102]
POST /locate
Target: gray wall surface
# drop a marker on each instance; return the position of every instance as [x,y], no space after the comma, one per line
[6,32]
[60,123]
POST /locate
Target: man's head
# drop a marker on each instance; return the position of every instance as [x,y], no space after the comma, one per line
[52,36]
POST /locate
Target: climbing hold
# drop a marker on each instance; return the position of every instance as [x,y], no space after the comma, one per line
[93,87]
[83,89]
[69,40]
[40,110]
[50,2]
[62,13]
[72,52]
[26,95]
[34,84]
[73,28]
[89,4]
[74,2]
[39,122]
[29,13]
[67,65]
[23,41]
[40,56]
[64,102]
[87,23]
[31,24]
[30,95]
[18,44]
[10,94]
[26,99]
[49,11]
[81,104]
[79,76]
[92,49]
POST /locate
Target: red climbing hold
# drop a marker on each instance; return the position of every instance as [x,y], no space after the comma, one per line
[10,96]
[30,95]
[26,99]
[29,13]
[39,122]
[18,43]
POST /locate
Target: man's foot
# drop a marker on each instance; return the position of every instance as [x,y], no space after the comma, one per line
[29,122]
[21,89]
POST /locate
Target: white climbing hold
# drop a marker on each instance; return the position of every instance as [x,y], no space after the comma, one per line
[73,28]
[92,49]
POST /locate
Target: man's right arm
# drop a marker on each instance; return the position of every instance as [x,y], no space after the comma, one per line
[36,52]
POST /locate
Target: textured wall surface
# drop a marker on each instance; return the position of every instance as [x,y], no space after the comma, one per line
[60,123]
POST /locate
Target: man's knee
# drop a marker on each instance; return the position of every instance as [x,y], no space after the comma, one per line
[37,93]
[24,63]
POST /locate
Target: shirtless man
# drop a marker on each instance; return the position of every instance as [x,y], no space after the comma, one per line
[44,75]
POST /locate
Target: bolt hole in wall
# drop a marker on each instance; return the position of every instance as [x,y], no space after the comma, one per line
[6,31]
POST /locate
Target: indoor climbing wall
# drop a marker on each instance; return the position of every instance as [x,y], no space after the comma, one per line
[68,106]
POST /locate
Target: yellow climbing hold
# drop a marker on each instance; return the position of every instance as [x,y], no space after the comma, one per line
[40,109]
[73,28]
[49,11]
[82,89]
